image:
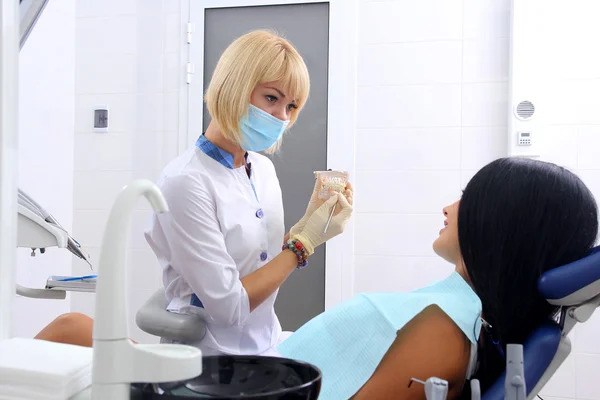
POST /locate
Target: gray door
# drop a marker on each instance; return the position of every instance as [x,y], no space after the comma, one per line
[304,148]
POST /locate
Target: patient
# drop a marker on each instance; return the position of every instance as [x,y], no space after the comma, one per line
[517,218]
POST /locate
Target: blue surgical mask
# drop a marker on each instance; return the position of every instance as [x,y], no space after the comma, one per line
[260,130]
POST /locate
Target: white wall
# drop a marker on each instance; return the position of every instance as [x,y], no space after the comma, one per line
[571,136]
[127,54]
[46,117]
[433,109]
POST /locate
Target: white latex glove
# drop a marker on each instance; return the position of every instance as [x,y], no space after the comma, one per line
[313,204]
[312,234]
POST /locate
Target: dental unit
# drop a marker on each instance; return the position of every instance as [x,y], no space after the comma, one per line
[37,229]
[118,369]
[30,211]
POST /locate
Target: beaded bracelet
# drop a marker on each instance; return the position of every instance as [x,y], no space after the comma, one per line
[301,254]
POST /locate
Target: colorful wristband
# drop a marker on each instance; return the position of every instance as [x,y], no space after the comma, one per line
[301,254]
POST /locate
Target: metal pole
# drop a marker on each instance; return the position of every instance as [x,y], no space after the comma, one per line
[9,86]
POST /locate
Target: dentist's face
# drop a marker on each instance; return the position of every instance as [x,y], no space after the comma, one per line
[446,245]
[274,99]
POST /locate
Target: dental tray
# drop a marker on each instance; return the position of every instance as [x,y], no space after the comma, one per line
[72,283]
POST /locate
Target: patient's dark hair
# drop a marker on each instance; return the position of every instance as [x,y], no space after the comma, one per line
[517,219]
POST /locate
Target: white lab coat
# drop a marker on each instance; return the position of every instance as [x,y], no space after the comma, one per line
[221,227]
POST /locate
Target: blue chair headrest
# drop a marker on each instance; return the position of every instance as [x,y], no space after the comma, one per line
[573,283]
[538,351]
[570,284]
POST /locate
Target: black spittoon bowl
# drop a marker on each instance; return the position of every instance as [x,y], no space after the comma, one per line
[240,377]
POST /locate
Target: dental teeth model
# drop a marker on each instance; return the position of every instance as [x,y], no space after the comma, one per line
[333,181]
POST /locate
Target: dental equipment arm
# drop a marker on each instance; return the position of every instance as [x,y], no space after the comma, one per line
[38,229]
[475,389]
[28,207]
[435,388]
[514,384]
[30,11]
[514,387]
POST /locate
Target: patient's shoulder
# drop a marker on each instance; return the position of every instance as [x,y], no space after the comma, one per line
[432,334]
[433,322]
[429,345]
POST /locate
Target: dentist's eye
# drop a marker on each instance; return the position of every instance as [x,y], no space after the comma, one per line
[292,107]
[270,98]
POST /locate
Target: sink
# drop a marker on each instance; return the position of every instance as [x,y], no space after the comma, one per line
[240,377]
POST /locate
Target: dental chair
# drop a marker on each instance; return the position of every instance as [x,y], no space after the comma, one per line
[574,287]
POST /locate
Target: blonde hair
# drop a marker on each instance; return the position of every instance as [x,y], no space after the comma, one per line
[255,58]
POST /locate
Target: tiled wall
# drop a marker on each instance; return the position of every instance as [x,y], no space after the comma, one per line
[127,55]
[432,84]
[433,109]
[46,115]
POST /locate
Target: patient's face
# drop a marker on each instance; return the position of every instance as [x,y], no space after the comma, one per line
[446,245]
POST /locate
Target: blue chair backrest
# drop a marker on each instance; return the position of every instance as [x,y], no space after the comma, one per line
[538,351]
[560,286]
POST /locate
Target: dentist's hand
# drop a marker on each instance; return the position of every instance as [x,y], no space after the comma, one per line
[312,236]
[349,195]
[313,204]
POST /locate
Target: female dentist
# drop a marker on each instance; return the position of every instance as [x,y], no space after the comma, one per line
[220,246]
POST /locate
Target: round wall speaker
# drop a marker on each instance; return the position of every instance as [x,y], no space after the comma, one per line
[524,110]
